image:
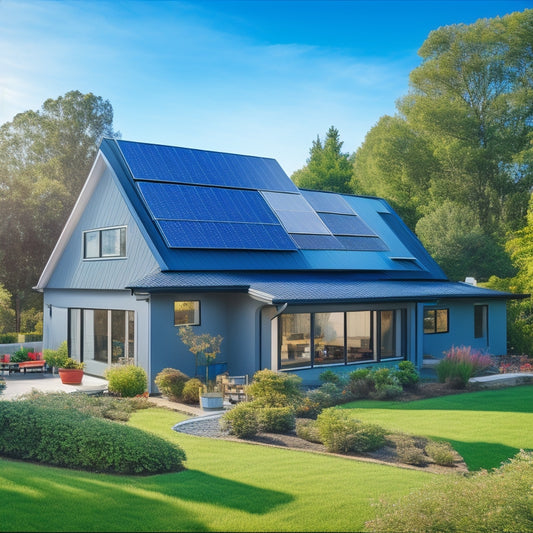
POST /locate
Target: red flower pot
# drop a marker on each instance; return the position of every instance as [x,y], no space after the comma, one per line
[71,376]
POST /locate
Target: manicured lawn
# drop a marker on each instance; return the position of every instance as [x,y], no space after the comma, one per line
[485,427]
[232,486]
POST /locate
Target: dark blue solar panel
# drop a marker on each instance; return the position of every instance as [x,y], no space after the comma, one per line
[317,242]
[224,235]
[153,162]
[189,202]
[302,222]
[345,224]
[363,244]
[326,202]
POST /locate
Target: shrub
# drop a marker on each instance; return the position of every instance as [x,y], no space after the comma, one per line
[441,452]
[328,376]
[460,364]
[171,382]
[126,380]
[276,419]
[499,500]
[361,383]
[410,450]
[8,338]
[275,389]
[309,407]
[21,355]
[56,358]
[386,384]
[72,439]
[241,421]
[308,430]
[191,391]
[340,433]
[407,375]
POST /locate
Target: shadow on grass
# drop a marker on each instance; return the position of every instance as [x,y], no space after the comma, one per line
[483,455]
[508,400]
[42,498]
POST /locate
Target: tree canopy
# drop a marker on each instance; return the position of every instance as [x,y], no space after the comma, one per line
[328,168]
[45,157]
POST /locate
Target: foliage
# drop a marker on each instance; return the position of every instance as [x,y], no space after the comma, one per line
[275,389]
[109,407]
[45,157]
[340,433]
[126,380]
[407,375]
[56,358]
[499,500]
[72,439]
[73,364]
[386,383]
[242,420]
[171,382]
[514,363]
[191,391]
[32,320]
[308,430]
[8,338]
[327,169]
[328,376]
[204,346]
[440,452]
[276,419]
[460,364]
[7,314]
[21,355]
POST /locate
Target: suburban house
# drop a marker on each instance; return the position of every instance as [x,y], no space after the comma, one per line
[293,280]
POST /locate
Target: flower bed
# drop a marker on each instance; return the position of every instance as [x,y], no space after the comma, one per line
[510,364]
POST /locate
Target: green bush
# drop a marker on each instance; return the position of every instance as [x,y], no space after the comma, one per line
[361,383]
[441,453]
[499,500]
[21,355]
[386,384]
[8,338]
[407,375]
[56,358]
[341,434]
[276,419]
[170,382]
[72,439]
[308,430]
[100,406]
[275,389]
[126,380]
[328,376]
[410,449]
[309,407]
[191,391]
[242,420]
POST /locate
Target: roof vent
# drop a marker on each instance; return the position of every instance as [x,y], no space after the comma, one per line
[471,281]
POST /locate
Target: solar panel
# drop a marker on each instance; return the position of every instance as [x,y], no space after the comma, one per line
[190,202]
[224,235]
[363,244]
[326,202]
[152,162]
[316,242]
[345,224]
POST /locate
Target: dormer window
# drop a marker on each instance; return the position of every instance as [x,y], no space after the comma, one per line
[106,243]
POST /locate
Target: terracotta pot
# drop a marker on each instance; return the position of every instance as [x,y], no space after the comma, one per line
[71,376]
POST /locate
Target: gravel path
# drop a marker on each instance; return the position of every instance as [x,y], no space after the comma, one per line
[202,426]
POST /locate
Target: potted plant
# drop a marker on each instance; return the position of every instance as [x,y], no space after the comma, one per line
[56,358]
[71,372]
[205,348]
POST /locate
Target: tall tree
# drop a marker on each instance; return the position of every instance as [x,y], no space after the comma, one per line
[328,168]
[45,157]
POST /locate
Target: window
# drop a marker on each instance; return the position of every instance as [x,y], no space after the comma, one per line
[436,320]
[104,243]
[187,313]
[316,339]
[102,335]
[481,314]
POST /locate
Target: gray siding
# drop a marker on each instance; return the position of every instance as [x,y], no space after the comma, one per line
[107,208]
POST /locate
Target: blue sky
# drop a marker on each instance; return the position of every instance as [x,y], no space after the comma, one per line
[245,76]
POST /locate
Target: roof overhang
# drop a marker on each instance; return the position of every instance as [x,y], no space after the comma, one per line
[306,288]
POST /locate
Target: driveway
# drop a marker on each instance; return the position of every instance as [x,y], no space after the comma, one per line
[18,384]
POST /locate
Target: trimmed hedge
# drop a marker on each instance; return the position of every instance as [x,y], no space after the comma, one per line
[71,439]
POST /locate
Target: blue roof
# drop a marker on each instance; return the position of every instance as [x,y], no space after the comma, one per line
[214,211]
[315,287]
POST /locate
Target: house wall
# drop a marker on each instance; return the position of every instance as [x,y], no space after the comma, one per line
[107,208]
[461,329]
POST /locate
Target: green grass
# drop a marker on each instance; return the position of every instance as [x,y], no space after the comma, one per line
[485,427]
[232,486]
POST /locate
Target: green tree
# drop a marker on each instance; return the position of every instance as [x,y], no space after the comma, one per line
[395,163]
[45,157]
[7,315]
[328,168]
[455,239]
